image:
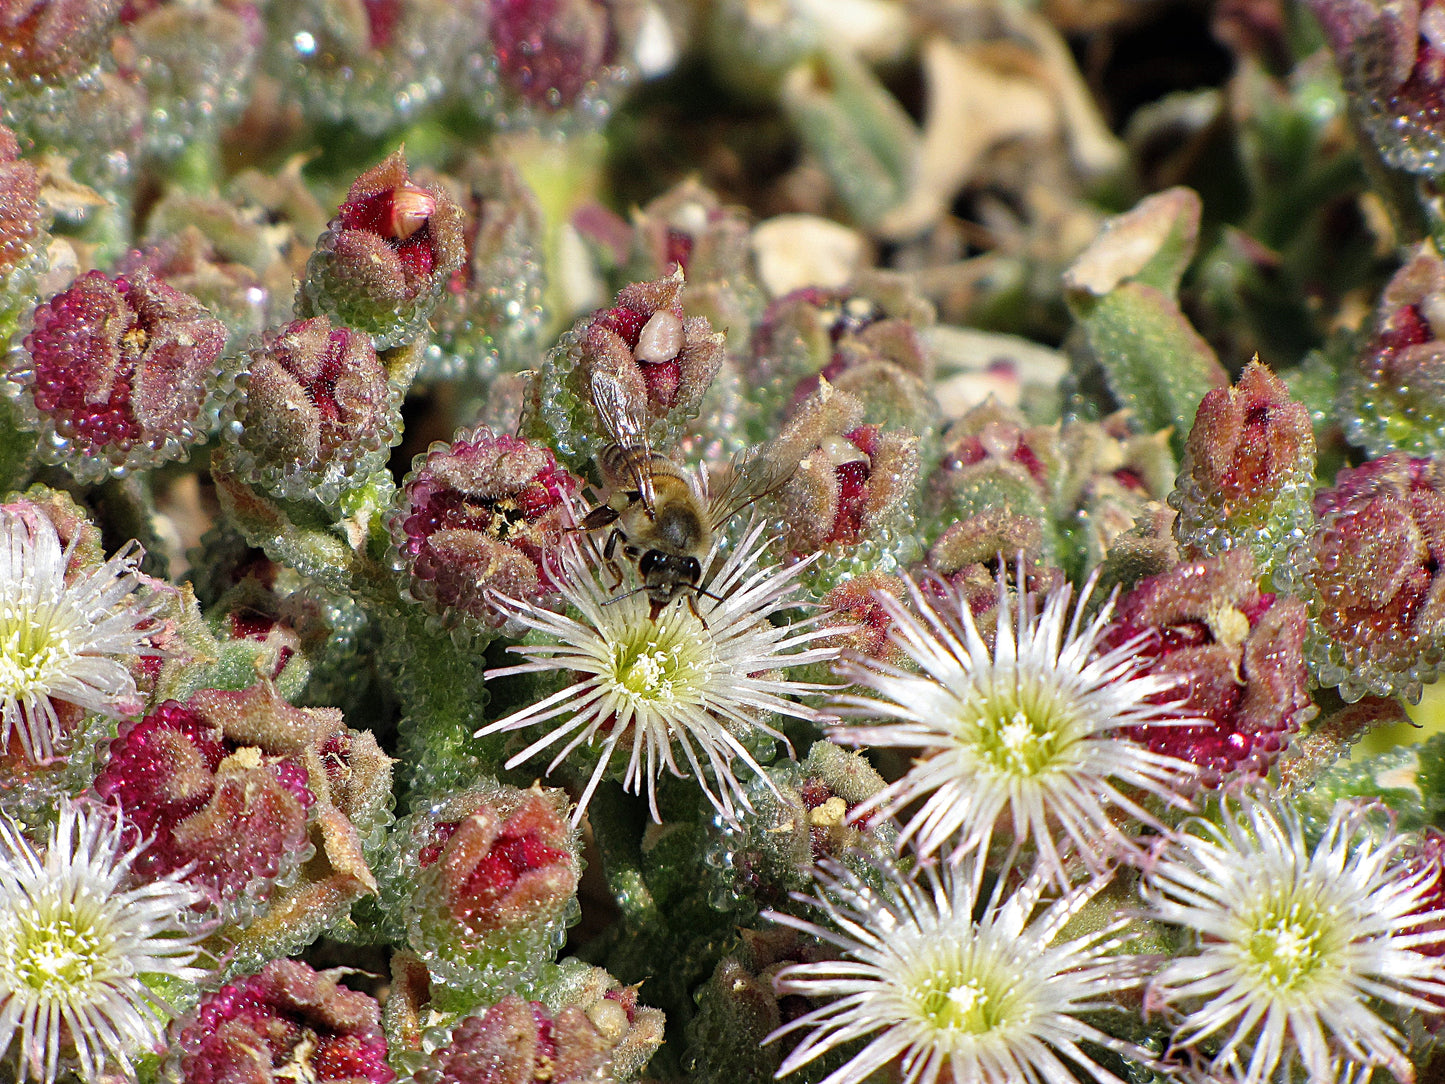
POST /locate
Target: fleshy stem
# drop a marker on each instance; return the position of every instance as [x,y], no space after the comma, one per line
[617,823]
[445,705]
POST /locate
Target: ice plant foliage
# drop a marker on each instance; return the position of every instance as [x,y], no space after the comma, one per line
[1028,733]
[62,641]
[949,991]
[1301,948]
[688,692]
[81,946]
[985,356]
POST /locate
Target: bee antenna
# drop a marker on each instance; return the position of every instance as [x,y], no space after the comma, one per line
[629,594]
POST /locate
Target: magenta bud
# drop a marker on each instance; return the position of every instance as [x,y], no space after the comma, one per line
[1392,59]
[287,1023]
[315,412]
[663,359]
[53,41]
[517,1041]
[1248,472]
[232,812]
[481,516]
[852,479]
[387,256]
[1377,600]
[553,56]
[1393,394]
[493,881]
[863,340]
[21,221]
[1238,656]
[121,373]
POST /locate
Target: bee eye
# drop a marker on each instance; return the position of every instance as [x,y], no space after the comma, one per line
[649,562]
[691,569]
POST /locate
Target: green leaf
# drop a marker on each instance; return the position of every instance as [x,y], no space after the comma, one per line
[1151,244]
[1156,364]
[866,142]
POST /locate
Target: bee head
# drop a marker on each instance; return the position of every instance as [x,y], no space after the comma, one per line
[666,574]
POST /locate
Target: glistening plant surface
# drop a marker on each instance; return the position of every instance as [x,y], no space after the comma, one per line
[880,542]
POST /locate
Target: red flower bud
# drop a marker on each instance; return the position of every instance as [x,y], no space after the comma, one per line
[218,784]
[1377,596]
[552,55]
[479,516]
[20,217]
[287,1023]
[386,257]
[1393,394]
[53,41]
[853,480]
[121,373]
[1248,471]
[863,341]
[1239,654]
[490,886]
[316,412]
[854,604]
[520,1042]
[499,873]
[1393,64]
[664,359]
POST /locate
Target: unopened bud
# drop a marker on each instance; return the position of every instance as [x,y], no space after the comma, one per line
[489,881]
[120,373]
[385,259]
[481,516]
[1238,655]
[314,414]
[287,1023]
[1248,472]
[1377,622]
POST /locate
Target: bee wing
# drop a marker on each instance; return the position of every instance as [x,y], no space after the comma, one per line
[624,416]
[752,475]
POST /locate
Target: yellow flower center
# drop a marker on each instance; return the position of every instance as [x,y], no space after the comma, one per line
[649,672]
[55,955]
[1021,731]
[30,652]
[663,664]
[954,1002]
[963,990]
[1288,944]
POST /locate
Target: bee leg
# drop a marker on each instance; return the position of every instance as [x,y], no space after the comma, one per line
[598,518]
[607,551]
[692,605]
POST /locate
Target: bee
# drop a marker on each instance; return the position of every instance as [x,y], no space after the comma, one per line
[664,517]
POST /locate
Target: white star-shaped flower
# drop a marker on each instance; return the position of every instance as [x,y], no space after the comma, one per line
[63,642]
[1298,948]
[690,692]
[1029,733]
[950,990]
[82,947]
